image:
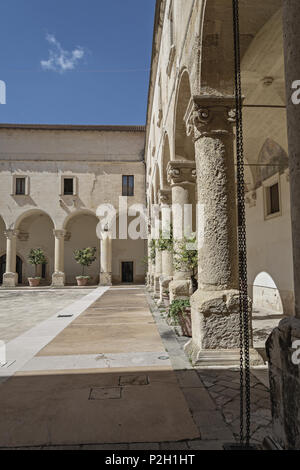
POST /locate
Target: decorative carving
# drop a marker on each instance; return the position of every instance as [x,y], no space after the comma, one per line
[10,233]
[59,233]
[181,172]
[165,197]
[209,115]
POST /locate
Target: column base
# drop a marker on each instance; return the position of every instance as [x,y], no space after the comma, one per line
[164,282]
[105,279]
[215,319]
[283,350]
[10,279]
[218,357]
[156,286]
[58,279]
[180,289]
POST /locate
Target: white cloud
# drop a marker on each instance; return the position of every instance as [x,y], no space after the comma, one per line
[59,59]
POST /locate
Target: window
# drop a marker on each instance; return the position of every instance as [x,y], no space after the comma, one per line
[272,198]
[68,186]
[127,185]
[20,186]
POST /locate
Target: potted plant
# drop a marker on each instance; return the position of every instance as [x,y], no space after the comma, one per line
[36,257]
[85,258]
[180,314]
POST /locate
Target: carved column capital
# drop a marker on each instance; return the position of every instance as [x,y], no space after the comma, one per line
[181,172]
[165,197]
[59,233]
[210,115]
[10,233]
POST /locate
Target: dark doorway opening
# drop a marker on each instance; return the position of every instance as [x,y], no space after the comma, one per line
[19,267]
[127,271]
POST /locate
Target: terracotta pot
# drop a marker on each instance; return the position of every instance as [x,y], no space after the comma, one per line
[185,320]
[82,281]
[33,281]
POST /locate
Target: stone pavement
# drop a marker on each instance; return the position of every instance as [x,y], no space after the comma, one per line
[110,381]
[22,309]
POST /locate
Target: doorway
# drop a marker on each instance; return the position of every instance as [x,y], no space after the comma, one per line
[19,267]
[127,271]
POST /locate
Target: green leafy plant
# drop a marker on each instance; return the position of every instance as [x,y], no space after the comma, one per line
[185,256]
[165,241]
[152,251]
[85,258]
[145,261]
[177,308]
[36,257]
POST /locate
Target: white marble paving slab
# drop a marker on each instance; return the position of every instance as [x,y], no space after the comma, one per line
[23,348]
[97,361]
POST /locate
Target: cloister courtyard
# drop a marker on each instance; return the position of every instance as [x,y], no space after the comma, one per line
[77,357]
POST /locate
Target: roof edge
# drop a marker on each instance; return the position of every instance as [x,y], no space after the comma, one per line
[74,127]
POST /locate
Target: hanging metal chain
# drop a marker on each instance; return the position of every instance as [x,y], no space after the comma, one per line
[243,283]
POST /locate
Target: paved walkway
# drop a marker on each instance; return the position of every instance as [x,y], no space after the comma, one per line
[21,310]
[113,377]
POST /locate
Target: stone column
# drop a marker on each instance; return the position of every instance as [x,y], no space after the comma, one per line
[58,277]
[182,178]
[10,277]
[284,342]
[152,262]
[215,305]
[165,199]
[106,259]
[158,267]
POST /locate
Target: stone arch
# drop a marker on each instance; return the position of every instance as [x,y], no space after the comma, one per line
[35,230]
[166,157]
[31,213]
[266,294]
[80,228]
[76,214]
[271,159]
[184,145]
[156,183]
[217,53]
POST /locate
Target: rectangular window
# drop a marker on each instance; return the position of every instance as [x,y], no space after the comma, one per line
[127,185]
[20,186]
[273,201]
[68,186]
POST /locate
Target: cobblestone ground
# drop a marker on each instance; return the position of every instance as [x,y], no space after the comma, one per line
[224,388]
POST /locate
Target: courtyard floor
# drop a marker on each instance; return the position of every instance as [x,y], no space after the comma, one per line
[101,369]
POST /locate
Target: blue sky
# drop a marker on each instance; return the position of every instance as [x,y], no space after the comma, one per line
[97,70]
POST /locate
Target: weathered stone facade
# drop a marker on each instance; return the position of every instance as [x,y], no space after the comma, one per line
[95,158]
